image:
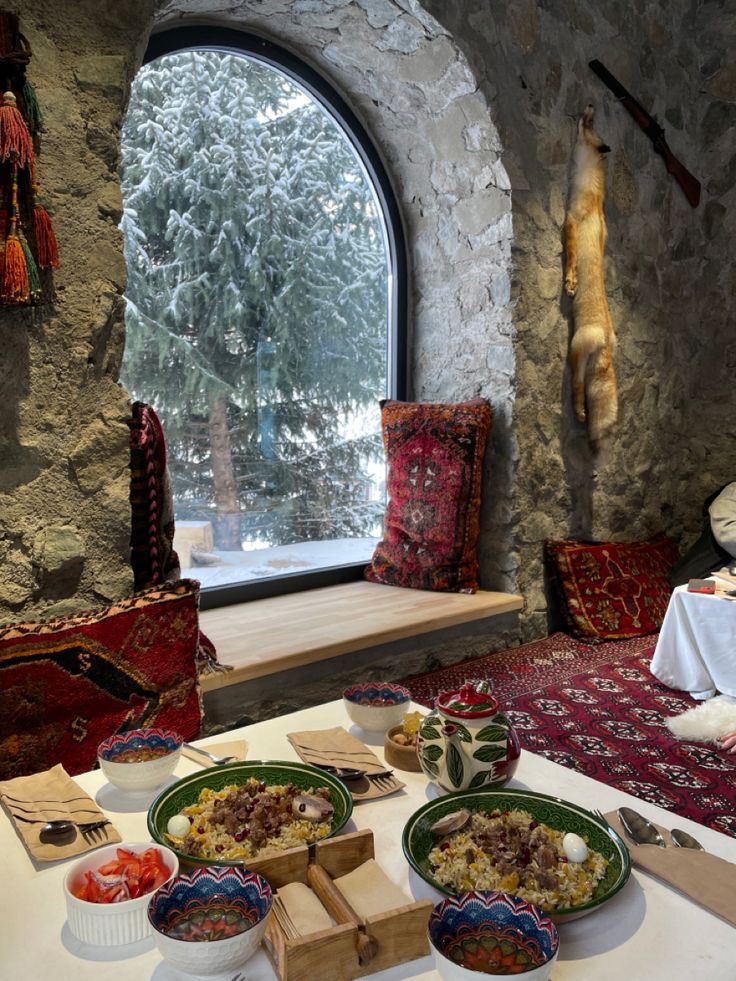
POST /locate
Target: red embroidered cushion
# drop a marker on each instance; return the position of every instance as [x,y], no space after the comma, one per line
[611,590]
[67,684]
[434,454]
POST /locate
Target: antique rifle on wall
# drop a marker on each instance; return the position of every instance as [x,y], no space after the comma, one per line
[689,184]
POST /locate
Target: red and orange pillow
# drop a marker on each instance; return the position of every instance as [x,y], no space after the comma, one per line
[67,684]
[612,590]
[434,454]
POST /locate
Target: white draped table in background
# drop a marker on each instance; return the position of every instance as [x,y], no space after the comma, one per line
[696,648]
[647,932]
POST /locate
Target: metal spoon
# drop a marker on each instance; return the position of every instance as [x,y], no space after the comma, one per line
[639,830]
[342,772]
[684,840]
[57,829]
[217,760]
[61,829]
[351,772]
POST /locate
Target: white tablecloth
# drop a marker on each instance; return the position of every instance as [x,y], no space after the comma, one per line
[696,649]
[647,932]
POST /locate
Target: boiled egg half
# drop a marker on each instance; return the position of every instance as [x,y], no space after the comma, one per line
[574,847]
[178,826]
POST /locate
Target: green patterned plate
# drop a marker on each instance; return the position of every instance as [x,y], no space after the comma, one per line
[417,840]
[186,791]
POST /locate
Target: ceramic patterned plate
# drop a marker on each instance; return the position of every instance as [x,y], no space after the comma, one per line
[186,791]
[418,841]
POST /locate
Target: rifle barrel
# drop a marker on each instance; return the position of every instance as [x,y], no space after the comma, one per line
[608,79]
[689,184]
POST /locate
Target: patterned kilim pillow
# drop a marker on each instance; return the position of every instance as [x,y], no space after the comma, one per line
[611,590]
[67,684]
[434,454]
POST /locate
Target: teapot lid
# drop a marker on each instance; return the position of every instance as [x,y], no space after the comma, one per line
[471,701]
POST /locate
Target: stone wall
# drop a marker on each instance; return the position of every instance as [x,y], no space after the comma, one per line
[670,272]
[64,514]
[473,106]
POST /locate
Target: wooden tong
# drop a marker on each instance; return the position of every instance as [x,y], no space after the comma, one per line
[340,910]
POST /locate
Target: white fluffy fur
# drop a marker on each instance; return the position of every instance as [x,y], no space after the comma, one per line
[706,723]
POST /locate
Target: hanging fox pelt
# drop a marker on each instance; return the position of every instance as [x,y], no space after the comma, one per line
[591,349]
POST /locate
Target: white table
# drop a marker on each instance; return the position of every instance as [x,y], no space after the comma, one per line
[647,932]
[696,648]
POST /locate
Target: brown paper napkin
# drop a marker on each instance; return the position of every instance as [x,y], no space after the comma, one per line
[336,747]
[707,879]
[304,909]
[370,891]
[233,747]
[47,796]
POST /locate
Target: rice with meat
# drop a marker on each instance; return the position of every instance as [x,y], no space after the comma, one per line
[511,852]
[252,819]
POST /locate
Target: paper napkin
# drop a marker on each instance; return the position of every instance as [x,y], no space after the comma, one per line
[707,879]
[337,747]
[47,796]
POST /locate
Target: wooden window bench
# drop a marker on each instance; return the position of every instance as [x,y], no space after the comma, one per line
[266,636]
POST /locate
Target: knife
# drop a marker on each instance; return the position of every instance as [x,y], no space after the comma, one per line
[639,830]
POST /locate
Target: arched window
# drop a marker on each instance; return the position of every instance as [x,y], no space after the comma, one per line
[266,309]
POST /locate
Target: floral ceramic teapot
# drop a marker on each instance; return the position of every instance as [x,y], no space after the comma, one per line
[465,743]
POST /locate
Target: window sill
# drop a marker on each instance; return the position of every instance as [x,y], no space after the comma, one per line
[269,635]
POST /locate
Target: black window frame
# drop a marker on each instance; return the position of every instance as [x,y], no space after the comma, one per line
[248,44]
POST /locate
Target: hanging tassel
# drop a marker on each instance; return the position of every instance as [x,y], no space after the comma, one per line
[31,110]
[14,279]
[47,249]
[14,284]
[34,280]
[15,140]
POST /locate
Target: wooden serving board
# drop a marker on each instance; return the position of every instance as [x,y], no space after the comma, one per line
[332,955]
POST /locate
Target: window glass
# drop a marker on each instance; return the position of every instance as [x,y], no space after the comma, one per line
[258,321]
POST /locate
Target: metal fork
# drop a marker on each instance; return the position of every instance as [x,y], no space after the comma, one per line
[383,781]
[602,818]
[94,832]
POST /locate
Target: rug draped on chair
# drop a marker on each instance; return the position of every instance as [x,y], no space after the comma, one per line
[599,710]
[152,554]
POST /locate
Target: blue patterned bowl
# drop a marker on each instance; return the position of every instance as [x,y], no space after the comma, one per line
[122,758]
[491,933]
[376,705]
[210,921]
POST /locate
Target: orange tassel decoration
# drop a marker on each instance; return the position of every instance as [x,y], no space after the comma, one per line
[15,140]
[47,249]
[14,284]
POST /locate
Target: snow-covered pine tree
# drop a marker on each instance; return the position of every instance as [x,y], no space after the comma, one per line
[257,296]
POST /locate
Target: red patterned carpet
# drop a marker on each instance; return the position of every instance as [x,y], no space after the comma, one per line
[598,710]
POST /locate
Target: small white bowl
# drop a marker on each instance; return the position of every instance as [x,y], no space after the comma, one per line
[376,705]
[111,924]
[240,892]
[138,777]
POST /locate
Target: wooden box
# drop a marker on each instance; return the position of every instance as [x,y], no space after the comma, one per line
[399,935]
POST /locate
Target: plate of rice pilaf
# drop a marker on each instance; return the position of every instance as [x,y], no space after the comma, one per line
[511,841]
[248,810]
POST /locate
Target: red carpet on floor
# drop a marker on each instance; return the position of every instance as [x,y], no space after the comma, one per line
[598,710]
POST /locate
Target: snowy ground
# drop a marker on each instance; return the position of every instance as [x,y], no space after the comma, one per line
[262,563]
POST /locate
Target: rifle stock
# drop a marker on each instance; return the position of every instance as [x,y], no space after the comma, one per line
[690,185]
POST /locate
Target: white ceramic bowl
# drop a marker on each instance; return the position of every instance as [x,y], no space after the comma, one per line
[110,924]
[376,705]
[139,776]
[242,893]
